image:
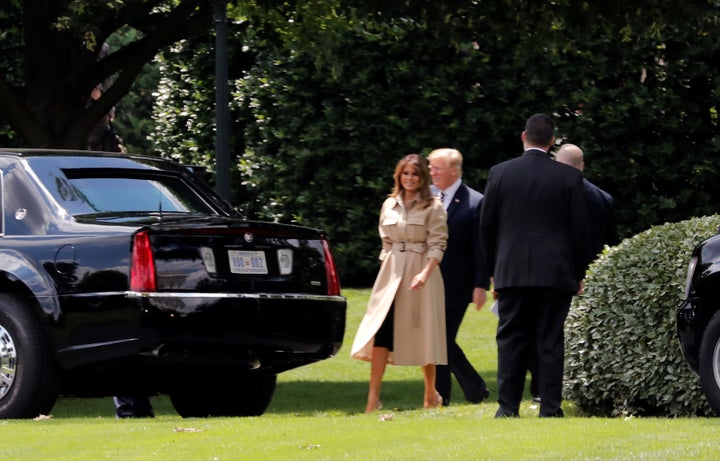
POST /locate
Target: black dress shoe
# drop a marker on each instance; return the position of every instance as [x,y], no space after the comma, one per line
[503,413]
[479,397]
[556,414]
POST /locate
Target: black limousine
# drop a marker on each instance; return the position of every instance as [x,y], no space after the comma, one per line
[127,275]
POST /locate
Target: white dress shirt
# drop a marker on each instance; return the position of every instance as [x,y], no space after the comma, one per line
[449,193]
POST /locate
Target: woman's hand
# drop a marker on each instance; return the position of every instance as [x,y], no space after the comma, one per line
[418,281]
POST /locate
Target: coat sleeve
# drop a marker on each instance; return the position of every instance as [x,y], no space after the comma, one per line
[611,232]
[579,227]
[437,231]
[489,226]
[481,275]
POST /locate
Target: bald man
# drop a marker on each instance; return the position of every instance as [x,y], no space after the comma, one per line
[600,204]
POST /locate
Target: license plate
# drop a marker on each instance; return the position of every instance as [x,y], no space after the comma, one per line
[247,262]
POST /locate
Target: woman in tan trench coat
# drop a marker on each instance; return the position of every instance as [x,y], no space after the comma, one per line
[413,231]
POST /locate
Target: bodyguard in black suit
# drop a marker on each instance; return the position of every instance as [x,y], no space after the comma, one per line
[534,234]
[600,204]
[463,270]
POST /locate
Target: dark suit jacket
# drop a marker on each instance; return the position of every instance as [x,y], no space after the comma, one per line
[534,223]
[601,213]
[463,265]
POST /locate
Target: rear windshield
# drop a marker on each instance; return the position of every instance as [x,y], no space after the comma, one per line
[107,191]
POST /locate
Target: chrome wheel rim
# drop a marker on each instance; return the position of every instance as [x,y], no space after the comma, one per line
[716,364]
[8,362]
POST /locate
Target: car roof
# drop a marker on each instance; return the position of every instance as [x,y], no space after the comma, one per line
[88,158]
[40,152]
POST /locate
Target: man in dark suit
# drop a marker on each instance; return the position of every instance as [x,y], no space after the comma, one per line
[600,204]
[601,218]
[533,228]
[463,270]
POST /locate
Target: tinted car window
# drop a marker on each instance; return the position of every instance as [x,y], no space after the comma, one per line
[115,194]
[121,190]
[23,206]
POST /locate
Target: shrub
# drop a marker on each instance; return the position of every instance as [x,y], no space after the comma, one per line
[622,353]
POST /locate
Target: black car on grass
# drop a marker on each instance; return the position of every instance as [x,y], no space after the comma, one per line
[698,318]
[127,275]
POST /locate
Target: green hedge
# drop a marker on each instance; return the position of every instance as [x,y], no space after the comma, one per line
[324,104]
[622,352]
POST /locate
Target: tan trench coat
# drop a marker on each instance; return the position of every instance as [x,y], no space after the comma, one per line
[419,334]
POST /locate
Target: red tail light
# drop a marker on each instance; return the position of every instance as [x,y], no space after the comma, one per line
[142,268]
[333,281]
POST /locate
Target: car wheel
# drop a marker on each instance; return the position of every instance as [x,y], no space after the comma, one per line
[28,376]
[709,363]
[247,395]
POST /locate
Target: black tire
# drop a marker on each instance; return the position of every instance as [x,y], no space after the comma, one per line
[28,375]
[247,395]
[709,363]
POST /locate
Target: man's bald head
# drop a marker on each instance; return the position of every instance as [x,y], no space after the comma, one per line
[572,155]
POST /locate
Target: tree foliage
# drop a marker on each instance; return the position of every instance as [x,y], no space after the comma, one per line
[133,113]
[336,92]
[328,94]
[55,60]
[642,99]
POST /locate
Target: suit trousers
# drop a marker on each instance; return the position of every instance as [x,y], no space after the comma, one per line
[531,320]
[469,379]
[133,406]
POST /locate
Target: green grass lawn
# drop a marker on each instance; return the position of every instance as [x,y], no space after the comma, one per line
[316,414]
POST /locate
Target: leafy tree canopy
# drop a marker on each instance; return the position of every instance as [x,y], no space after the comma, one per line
[53,58]
[328,94]
[335,93]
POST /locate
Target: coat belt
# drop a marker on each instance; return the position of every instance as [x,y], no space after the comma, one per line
[417,247]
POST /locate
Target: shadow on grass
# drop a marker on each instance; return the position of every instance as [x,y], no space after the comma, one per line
[292,398]
[299,397]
